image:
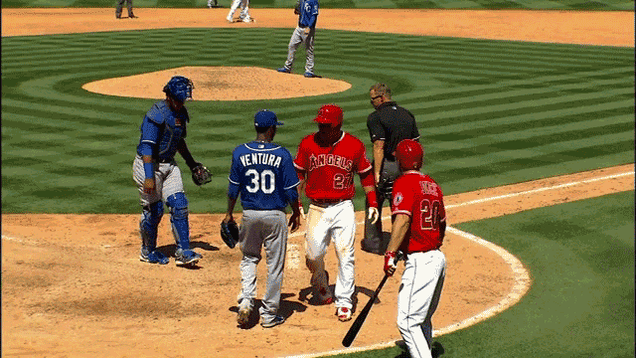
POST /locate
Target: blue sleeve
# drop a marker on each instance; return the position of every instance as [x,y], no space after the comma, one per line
[292,195]
[233,191]
[291,180]
[313,14]
[235,176]
[149,136]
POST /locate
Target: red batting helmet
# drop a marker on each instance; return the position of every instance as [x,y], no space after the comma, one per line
[329,114]
[409,154]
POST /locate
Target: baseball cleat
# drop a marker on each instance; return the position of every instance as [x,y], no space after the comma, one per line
[153,257]
[311,75]
[284,70]
[343,313]
[248,19]
[186,257]
[322,293]
[243,316]
[324,297]
[437,349]
[229,19]
[275,322]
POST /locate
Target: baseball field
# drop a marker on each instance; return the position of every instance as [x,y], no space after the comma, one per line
[526,111]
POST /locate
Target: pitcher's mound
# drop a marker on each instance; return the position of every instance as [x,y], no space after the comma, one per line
[219,83]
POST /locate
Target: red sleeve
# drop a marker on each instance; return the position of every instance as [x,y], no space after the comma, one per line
[300,162]
[402,198]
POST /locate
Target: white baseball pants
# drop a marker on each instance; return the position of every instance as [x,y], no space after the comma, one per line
[418,297]
[335,223]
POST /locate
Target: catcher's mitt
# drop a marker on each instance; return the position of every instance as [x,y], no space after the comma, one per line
[201,175]
[230,233]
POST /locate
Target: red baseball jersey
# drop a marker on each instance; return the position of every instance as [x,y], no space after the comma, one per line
[418,196]
[329,170]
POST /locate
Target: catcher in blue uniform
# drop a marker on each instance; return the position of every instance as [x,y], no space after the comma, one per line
[158,177]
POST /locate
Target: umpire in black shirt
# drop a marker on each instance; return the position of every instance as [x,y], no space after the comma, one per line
[388,125]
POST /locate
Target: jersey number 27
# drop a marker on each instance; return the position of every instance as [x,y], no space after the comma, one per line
[264,181]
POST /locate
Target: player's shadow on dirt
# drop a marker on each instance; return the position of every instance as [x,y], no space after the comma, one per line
[286,309]
[307,295]
[169,250]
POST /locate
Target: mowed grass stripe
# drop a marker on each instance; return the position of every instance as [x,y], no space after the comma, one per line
[464,120]
[472,104]
[533,133]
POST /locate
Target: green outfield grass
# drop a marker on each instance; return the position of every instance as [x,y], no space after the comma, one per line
[355,4]
[581,304]
[489,112]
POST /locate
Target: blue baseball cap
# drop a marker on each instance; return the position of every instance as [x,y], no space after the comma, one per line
[266,118]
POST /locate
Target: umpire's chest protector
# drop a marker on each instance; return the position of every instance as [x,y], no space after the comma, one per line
[173,128]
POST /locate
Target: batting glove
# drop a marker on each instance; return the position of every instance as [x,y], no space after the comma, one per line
[374,214]
[390,262]
[302,211]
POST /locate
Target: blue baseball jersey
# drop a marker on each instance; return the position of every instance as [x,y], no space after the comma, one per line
[264,175]
[161,131]
[308,13]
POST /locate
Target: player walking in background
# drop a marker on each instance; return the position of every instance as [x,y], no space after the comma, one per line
[120,5]
[158,178]
[213,4]
[307,11]
[418,230]
[326,163]
[263,174]
[388,125]
[245,11]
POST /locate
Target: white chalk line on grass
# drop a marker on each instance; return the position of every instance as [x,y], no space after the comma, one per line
[534,191]
[521,275]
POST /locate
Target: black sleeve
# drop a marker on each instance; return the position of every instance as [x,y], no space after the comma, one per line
[376,130]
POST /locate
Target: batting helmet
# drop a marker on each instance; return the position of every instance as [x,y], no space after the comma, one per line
[329,114]
[409,154]
[179,88]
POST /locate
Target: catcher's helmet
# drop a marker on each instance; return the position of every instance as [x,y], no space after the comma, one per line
[179,88]
[329,114]
[409,154]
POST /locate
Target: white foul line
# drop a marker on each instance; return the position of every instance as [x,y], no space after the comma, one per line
[539,190]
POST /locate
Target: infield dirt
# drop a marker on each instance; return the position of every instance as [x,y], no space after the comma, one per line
[72,285]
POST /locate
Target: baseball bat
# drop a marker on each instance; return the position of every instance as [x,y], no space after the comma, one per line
[357,324]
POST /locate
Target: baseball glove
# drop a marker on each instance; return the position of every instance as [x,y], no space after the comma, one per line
[201,175]
[230,233]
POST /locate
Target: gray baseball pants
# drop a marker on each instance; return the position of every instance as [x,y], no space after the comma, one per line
[120,4]
[300,37]
[268,229]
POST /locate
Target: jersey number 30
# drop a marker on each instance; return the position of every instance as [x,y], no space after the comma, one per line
[264,181]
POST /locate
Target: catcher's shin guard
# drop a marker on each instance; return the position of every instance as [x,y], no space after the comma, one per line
[178,205]
[150,218]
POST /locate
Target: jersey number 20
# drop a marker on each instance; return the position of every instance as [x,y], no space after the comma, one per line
[430,214]
[264,181]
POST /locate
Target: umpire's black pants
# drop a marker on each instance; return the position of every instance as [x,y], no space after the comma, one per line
[375,241]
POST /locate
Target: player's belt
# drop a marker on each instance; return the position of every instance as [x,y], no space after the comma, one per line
[326,202]
[165,160]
